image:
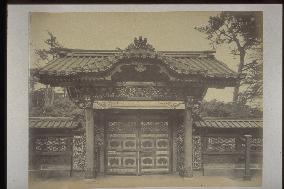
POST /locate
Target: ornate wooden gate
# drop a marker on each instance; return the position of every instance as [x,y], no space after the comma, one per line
[138,145]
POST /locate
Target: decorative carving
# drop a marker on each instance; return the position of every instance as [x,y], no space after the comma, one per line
[114,161]
[140,44]
[154,146]
[196,152]
[256,144]
[52,144]
[114,144]
[138,49]
[221,144]
[129,161]
[162,161]
[173,105]
[82,98]
[147,144]
[147,161]
[79,152]
[130,144]
[140,67]
[162,143]
[194,105]
[85,96]
[154,126]
[121,127]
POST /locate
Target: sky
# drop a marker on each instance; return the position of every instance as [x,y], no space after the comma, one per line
[109,30]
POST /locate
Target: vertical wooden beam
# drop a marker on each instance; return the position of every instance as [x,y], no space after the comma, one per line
[102,149]
[173,121]
[203,149]
[90,143]
[247,175]
[188,143]
[174,152]
[70,142]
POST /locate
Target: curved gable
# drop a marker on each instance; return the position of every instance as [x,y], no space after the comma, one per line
[138,62]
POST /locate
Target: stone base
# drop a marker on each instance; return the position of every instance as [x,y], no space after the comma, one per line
[49,174]
[247,177]
[188,172]
[90,174]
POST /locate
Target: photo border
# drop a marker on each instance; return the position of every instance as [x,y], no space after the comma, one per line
[17,82]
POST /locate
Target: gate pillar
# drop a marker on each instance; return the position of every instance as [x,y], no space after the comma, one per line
[188,143]
[90,143]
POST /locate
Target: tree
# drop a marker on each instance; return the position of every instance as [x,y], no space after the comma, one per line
[44,102]
[48,54]
[253,81]
[53,48]
[216,108]
[62,107]
[242,31]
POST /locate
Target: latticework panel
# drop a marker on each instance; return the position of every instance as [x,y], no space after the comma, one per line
[221,144]
[256,144]
[154,126]
[121,127]
[79,152]
[52,144]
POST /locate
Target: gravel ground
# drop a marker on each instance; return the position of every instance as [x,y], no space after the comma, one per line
[140,181]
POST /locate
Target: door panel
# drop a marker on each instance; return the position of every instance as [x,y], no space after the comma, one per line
[154,146]
[138,146]
[121,147]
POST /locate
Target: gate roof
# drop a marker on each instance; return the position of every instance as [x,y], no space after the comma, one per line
[73,63]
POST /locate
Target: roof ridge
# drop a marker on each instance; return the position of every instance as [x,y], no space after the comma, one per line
[69,50]
[232,120]
[50,117]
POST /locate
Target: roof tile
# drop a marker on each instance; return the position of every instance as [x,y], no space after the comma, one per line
[229,124]
[52,123]
[180,62]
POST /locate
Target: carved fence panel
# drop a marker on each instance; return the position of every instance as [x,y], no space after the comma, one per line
[79,152]
[229,152]
[197,152]
[52,155]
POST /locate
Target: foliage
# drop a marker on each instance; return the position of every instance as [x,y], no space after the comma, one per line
[242,31]
[47,54]
[252,83]
[62,107]
[52,51]
[216,108]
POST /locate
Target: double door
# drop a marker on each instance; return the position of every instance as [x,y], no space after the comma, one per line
[138,145]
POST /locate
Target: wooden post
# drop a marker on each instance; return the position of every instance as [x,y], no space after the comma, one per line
[188,144]
[247,175]
[174,152]
[102,149]
[90,143]
[203,149]
[71,154]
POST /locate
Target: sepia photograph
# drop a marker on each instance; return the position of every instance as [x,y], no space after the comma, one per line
[145,99]
[144,96]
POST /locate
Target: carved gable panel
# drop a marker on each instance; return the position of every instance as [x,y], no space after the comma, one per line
[140,72]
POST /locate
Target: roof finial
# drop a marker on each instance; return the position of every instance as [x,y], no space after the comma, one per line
[140,43]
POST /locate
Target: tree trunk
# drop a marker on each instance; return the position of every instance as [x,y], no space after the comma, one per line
[46,99]
[49,95]
[52,95]
[240,69]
